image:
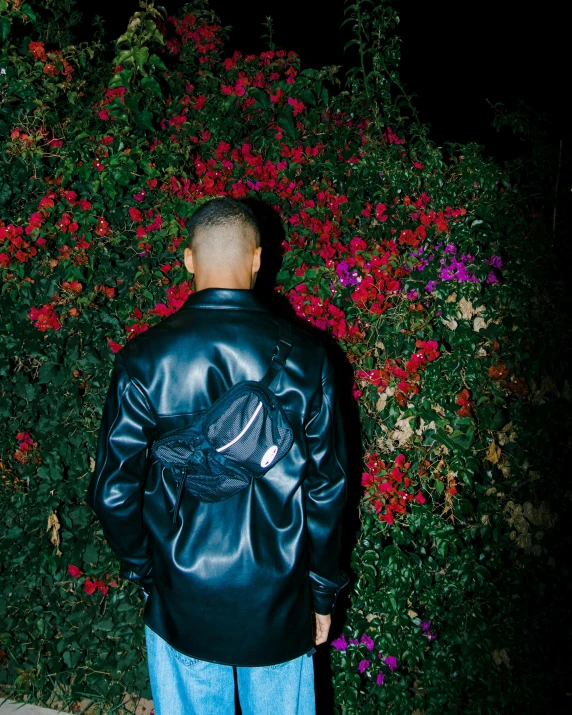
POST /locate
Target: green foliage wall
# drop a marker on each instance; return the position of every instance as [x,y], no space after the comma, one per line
[418,260]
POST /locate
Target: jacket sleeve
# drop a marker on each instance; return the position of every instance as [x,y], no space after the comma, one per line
[115,492]
[325,493]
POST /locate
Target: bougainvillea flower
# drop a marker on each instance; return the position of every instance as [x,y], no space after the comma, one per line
[367,641]
[89,586]
[45,318]
[74,571]
[363,664]
[100,584]
[340,643]
[391,662]
[136,214]
[380,678]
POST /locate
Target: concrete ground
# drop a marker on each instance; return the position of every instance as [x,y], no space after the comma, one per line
[11,707]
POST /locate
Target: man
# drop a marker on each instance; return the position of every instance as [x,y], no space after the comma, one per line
[243,588]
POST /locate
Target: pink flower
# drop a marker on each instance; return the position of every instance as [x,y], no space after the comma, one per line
[380,678]
[363,665]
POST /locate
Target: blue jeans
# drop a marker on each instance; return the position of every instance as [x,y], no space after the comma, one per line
[182,685]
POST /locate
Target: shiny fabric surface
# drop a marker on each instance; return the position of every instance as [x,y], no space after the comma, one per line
[237,580]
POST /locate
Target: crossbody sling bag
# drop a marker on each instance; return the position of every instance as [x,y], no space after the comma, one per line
[242,435]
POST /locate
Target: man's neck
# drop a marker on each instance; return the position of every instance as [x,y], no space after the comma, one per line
[222,281]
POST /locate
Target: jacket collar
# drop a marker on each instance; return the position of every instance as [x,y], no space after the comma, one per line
[229,298]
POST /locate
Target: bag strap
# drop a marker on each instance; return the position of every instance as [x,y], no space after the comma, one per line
[281,352]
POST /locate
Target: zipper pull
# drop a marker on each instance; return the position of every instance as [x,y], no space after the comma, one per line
[179,495]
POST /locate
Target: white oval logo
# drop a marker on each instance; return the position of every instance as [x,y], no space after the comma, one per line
[268,456]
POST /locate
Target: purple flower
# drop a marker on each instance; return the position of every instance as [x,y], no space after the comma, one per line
[494,261]
[340,643]
[450,248]
[456,270]
[369,644]
[491,278]
[431,286]
[413,294]
[380,678]
[345,277]
[354,641]
[425,626]
[363,665]
[391,662]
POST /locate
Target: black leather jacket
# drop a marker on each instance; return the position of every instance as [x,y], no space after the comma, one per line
[237,581]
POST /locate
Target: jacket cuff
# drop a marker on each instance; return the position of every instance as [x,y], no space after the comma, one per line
[325,592]
[145,581]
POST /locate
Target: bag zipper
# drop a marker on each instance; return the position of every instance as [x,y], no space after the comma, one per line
[180,486]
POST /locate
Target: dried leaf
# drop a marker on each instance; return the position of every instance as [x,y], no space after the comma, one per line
[451,323]
[465,309]
[402,432]
[494,453]
[479,324]
[54,525]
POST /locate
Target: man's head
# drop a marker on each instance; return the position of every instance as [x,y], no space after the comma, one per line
[224,249]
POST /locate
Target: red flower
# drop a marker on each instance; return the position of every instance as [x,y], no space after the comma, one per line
[100,584]
[115,347]
[45,318]
[37,50]
[89,586]
[380,211]
[136,214]
[74,571]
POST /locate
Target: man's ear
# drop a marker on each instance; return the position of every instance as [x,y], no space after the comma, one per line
[256,260]
[188,259]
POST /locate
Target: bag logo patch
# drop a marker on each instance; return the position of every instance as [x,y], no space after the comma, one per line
[269,456]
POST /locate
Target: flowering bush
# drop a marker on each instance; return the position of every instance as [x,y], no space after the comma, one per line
[408,255]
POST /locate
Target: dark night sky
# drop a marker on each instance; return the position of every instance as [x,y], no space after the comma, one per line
[454,56]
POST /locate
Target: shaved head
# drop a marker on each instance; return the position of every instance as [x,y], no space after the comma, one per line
[224,231]
[224,244]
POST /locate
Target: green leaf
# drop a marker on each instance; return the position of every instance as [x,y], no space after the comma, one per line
[27,10]
[5,27]
[261,97]
[151,85]
[90,555]
[157,62]
[140,56]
